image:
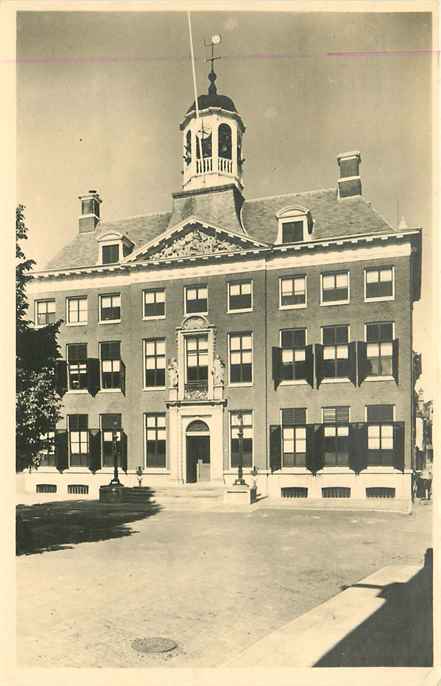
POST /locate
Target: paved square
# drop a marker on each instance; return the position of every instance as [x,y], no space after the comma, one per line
[213,582]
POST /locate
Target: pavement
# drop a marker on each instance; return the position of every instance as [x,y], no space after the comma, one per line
[216,583]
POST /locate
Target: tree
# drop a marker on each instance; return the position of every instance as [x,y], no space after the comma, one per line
[38,405]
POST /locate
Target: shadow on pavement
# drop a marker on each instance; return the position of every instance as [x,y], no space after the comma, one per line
[59,525]
[399,634]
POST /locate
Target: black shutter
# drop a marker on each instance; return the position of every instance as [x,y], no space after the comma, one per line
[318,364]
[358,446]
[399,445]
[352,347]
[94,450]
[318,461]
[61,377]
[310,448]
[363,369]
[61,451]
[124,451]
[309,365]
[275,447]
[123,376]
[93,375]
[277,363]
[395,351]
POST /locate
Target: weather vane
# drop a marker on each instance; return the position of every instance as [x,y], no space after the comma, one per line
[216,39]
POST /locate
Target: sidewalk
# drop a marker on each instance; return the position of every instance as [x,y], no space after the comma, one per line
[384,620]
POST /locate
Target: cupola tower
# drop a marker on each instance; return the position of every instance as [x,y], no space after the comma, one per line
[212,141]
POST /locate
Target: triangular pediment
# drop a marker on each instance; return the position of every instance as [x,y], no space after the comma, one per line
[194,238]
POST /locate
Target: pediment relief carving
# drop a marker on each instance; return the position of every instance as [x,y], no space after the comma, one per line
[196,241]
[195,322]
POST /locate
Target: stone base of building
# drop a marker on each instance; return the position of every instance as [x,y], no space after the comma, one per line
[240,495]
[386,488]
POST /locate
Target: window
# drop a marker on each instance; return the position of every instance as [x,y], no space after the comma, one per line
[241,358]
[292,231]
[335,352]
[110,308]
[379,283]
[154,303]
[187,155]
[240,296]
[44,312]
[77,366]
[78,440]
[336,436]
[77,310]
[293,359]
[379,348]
[155,441]
[380,435]
[335,288]
[244,419]
[294,437]
[224,134]
[154,365]
[110,426]
[196,299]
[47,451]
[292,292]
[110,253]
[196,348]
[110,364]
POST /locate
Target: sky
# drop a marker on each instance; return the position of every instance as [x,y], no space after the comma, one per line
[100,97]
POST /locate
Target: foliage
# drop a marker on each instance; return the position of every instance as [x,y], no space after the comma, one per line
[38,405]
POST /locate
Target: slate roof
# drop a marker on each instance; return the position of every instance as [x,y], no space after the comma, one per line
[214,100]
[225,208]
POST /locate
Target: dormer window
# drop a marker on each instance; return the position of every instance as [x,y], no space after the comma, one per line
[295,225]
[110,254]
[113,247]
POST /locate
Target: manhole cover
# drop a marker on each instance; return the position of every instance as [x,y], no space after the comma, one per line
[153,645]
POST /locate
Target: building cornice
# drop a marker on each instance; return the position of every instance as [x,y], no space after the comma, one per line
[346,242]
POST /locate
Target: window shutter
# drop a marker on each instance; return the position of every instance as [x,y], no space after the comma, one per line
[395,351]
[310,447]
[309,359]
[94,450]
[317,461]
[358,446]
[61,451]
[124,451]
[277,361]
[363,369]
[399,446]
[353,362]
[61,377]
[275,448]
[318,364]
[123,377]
[93,375]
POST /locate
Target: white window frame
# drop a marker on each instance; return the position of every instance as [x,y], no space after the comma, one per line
[296,468]
[197,286]
[156,316]
[109,390]
[292,277]
[381,468]
[337,468]
[144,342]
[340,379]
[77,297]
[241,384]
[155,470]
[231,412]
[379,378]
[381,298]
[293,382]
[106,244]
[239,283]
[43,300]
[79,468]
[292,214]
[335,302]
[66,357]
[109,295]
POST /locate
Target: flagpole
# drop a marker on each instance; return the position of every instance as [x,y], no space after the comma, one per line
[198,139]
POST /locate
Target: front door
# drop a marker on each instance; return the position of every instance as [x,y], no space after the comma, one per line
[198,458]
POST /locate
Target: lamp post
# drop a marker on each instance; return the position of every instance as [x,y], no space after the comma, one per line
[115,429]
[240,481]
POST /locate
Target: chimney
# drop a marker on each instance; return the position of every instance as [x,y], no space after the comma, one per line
[90,211]
[349,183]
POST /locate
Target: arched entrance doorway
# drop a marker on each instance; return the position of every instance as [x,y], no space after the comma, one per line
[198,452]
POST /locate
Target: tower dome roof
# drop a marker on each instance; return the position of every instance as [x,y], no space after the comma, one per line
[214,100]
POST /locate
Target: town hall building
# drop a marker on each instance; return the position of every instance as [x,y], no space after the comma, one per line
[275,331]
